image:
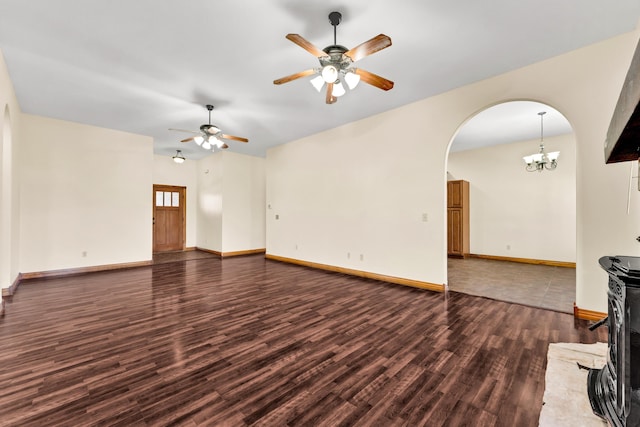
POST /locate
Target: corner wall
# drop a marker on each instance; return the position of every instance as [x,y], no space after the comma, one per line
[231,202]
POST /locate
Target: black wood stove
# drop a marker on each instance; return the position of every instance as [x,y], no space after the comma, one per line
[614,390]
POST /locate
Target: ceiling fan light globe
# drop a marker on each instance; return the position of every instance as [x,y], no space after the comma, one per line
[317,82]
[198,140]
[206,145]
[338,90]
[216,141]
[352,79]
[329,73]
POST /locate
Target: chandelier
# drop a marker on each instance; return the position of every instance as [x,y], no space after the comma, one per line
[541,160]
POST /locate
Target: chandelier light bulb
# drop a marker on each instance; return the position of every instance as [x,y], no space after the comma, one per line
[206,145]
[553,156]
[198,140]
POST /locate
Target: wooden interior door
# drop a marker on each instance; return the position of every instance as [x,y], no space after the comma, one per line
[169,213]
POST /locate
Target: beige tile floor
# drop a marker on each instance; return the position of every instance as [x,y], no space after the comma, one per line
[553,288]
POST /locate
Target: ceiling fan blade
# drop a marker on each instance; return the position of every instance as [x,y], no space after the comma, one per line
[184,130]
[235,138]
[330,98]
[224,146]
[374,79]
[369,47]
[306,45]
[293,77]
[188,139]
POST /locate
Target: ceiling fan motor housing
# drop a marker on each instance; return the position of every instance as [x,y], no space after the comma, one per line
[336,57]
[210,129]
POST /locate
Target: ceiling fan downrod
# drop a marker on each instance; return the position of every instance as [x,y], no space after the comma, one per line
[210,108]
[335,18]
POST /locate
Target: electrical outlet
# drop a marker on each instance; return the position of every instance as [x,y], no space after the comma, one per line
[84,254]
[425,217]
[361,257]
[348,255]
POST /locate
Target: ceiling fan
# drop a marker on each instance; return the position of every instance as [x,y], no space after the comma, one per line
[210,135]
[336,63]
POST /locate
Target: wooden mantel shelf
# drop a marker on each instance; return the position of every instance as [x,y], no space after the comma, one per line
[623,137]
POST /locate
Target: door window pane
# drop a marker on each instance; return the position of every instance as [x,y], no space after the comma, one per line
[159,198]
[175,199]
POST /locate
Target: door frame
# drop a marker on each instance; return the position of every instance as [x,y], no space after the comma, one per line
[182,190]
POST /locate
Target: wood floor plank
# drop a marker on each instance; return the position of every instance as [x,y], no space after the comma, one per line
[252,342]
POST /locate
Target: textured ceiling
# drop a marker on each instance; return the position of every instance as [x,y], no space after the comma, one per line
[145,66]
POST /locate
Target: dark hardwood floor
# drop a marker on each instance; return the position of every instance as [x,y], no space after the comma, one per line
[248,341]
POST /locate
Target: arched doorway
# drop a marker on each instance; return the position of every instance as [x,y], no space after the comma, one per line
[521,225]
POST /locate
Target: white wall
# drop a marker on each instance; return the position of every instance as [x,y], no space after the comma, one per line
[168,172]
[348,198]
[346,191]
[520,214]
[84,189]
[243,202]
[231,202]
[9,179]
[210,191]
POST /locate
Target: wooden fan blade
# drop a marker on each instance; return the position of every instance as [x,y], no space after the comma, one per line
[330,98]
[369,47]
[235,138]
[188,139]
[374,79]
[184,130]
[306,45]
[293,77]
[224,146]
